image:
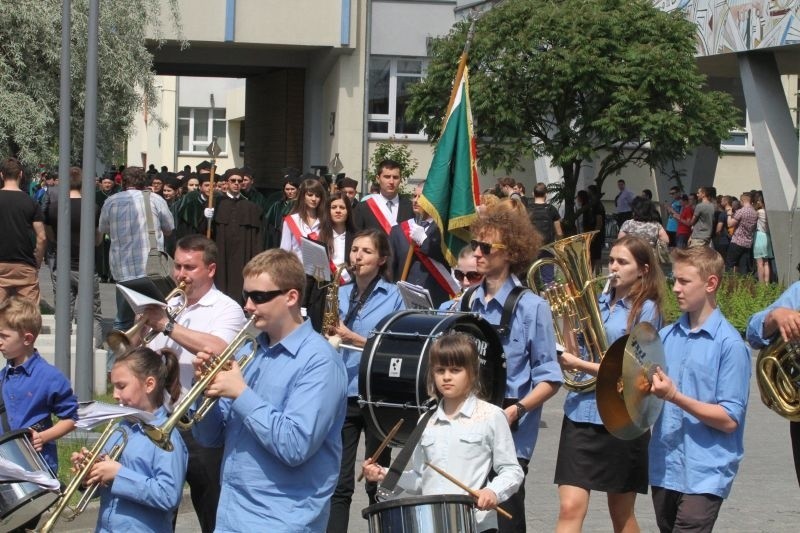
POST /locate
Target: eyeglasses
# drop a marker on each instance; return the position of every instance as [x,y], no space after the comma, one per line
[472,276]
[261,297]
[486,247]
[232,180]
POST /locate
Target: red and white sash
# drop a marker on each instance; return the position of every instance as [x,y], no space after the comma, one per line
[439,272]
[381,213]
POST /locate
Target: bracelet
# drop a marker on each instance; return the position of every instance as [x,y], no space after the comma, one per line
[521,410]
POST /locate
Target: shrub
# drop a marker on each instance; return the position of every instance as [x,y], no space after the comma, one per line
[738,297]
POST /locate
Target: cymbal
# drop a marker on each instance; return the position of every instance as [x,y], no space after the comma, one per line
[624,401]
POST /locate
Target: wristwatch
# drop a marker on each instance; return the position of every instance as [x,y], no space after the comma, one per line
[168,328]
[521,410]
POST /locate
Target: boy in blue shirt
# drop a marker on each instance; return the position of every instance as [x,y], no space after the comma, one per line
[697,441]
[32,389]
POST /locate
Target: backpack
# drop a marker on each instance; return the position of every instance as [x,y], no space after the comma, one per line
[541,216]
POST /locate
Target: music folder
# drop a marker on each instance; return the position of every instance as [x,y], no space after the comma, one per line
[139,300]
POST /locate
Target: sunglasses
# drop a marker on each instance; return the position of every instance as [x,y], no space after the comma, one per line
[472,276]
[486,247]
[232,180]
[261,297]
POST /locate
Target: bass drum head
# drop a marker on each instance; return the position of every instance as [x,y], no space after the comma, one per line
[392,379]
[442,513]
[21,502]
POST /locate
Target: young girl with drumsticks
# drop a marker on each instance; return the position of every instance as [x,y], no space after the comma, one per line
[142,489]
[466,437]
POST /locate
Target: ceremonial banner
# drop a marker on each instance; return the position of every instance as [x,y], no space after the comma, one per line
[452,193]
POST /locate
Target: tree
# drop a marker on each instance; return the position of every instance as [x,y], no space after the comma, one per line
[577,80]
[30,55]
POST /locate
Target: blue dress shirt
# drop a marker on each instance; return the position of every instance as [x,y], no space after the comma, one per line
[32,392]
[384,300]
[282,437]
[755,326]
[148,488]
[582,406]
[712,365]
[530,349]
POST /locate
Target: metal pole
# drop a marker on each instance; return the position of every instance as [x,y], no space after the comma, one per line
[63,356]
[84,367]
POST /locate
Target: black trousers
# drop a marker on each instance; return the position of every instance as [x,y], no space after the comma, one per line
[676,511]
[203,477]
[515,506]
[354,424]
[794,432]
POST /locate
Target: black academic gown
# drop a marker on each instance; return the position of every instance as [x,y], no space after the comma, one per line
[418,274]
[236,228]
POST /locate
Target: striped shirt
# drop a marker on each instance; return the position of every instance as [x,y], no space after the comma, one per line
[124,219]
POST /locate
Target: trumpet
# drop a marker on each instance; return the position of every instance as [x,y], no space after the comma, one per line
[180,415]
[86,466]
[120,341]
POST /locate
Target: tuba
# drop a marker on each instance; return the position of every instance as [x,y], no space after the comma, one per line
[330,316]
[574,302]
[75,483]
[778,378]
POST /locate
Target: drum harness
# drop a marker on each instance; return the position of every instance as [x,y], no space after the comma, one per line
[504,328]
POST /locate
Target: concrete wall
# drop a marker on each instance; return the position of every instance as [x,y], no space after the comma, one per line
[270,22]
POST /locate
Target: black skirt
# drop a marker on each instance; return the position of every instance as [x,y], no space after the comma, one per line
[591,458]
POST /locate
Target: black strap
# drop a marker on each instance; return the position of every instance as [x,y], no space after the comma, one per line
[504,328]
[4,427]
[355,306]
[386,488]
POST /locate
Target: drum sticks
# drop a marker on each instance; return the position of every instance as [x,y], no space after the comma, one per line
[460,485]
[384,444]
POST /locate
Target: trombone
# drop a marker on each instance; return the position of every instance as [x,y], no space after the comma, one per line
[120,341]
[86,466]
[180,415]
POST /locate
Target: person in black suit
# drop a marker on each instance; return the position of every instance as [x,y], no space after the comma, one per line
[428,267]
[386,209]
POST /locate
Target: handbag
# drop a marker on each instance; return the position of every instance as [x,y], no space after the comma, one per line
[159,264]
[662,253]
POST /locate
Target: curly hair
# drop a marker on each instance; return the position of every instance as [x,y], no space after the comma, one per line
[510,220]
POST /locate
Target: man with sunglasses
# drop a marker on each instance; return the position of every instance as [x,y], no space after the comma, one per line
[210,321]
[504,244]
[280,419]
[236,228]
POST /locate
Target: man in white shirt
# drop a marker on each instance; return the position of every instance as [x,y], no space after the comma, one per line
[624,203]
[208,323]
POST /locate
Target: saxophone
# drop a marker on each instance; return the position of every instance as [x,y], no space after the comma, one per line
[330,315]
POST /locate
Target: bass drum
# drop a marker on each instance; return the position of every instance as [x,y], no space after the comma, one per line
[392,378]
[22,501]
[444,513]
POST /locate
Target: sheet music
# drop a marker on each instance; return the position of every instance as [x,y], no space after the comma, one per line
[315,259]
[12,472]
[414,296]
[92,414]
[137,300]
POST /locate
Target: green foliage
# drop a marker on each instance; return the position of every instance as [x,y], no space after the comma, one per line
[738,297]
[396,152]
[578,79]
[30,59]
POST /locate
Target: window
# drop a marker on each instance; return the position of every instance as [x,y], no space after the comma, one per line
[194,125]
[390,80]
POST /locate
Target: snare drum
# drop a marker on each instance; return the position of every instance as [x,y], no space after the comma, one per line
[444,513]
[23,501]
[392,379]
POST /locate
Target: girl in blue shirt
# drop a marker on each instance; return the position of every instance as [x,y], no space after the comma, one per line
[589,458]
[362,304]
[142,490]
